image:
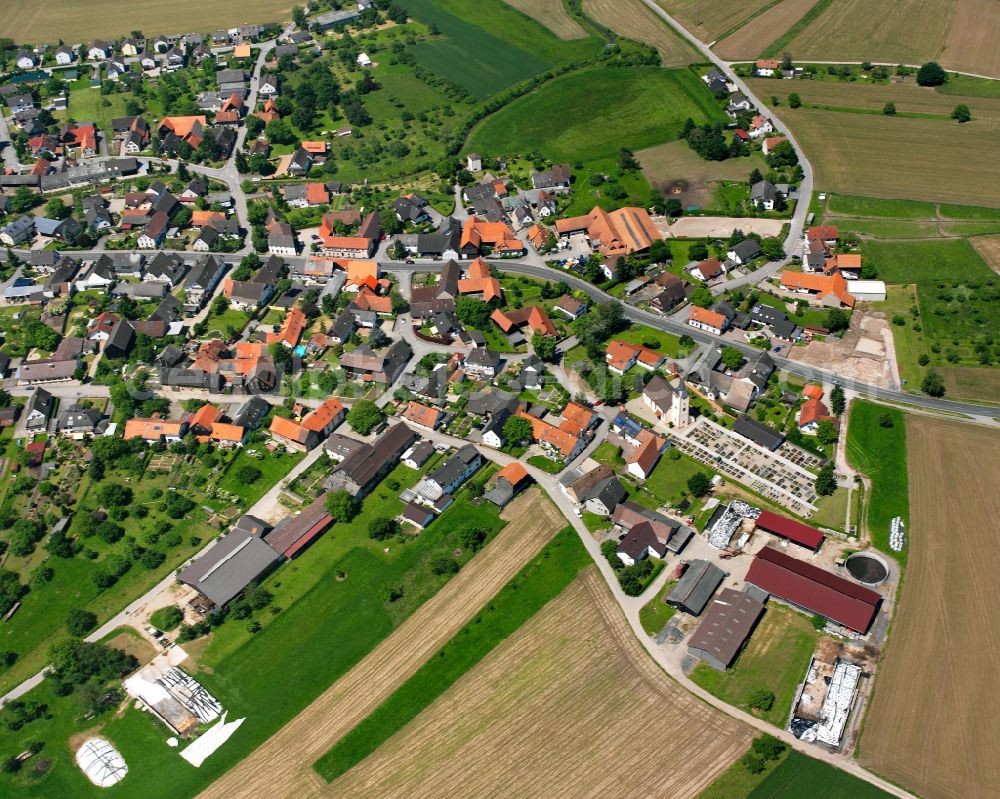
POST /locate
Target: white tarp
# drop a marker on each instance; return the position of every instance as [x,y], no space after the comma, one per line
[101,762]
[214,737]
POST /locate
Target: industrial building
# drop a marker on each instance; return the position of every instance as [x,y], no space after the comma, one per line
[728,623]
[790,529]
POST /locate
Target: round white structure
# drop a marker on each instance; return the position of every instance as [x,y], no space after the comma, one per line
[101,762]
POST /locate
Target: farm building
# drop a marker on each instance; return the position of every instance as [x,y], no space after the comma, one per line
[867,290]
[814,589]
[728,623]
[696,586]
[231,565]
[293,534]
[790,529]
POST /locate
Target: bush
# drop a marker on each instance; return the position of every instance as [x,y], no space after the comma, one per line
[699,484]
[444,565]
[381,529]
[933,384]
[472,538]
[753,762]
[931,74]
[761,699]
[769,747]
[248,474]
[168,618]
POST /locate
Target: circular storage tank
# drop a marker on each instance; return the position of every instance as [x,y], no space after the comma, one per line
[867,568]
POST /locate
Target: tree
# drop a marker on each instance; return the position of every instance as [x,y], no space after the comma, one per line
[472,538]
[837,319]
[962,113]
[76,661]
[753,763]
[342,506]
[517,429]
[761,699]
[11,589]
[698,252]
[544,346]
[472,312]
[57,209]
[769,747]
[889,109]
[837,400]
[24,199]
[248,473]
[444,565]
[924,359]
[884,420]
[933,384]
[794,101]
[699,484]
[383,528]
[931,74]
[112,494]
[826,481]
[702,297]
[732,358]
[79,622]
[364,416]
[827,432]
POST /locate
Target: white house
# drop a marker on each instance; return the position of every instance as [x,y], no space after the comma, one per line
[98,51]
[766,67]
[364,60]
[268,86]
[26,60]
[65,56]
[669,402]
[760,126]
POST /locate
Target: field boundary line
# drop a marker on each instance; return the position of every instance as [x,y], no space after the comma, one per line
[804,21]
[727,33]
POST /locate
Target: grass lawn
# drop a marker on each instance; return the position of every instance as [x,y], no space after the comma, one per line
[608,453]
[595,522]
[909,343]
[655,614]
[625,107]
[231,317]
[668,482]
[541,580]
[952,260]
[799,775]
[832,510]
[669,344]
[272,465]
[546,464]
[850,205]
[775,659]
[89,105]
[880,452]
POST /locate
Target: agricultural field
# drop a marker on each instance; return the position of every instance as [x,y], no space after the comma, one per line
[710,21]
[476,47]
[678,172]
[800,775]
[988,248]
[553,15]
[751,39]
[283,765]
[540,715]
[626,107]
[945,609]
[904,31]
[880,454]
[775,659]
[971,42]
[634,20]
[47,21]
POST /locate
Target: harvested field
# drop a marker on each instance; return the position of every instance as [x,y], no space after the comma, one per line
[678,172]
[552,14]
[971,45]
[989,248]
[928,725]
[549,713]
[696,227]
[40,21]
[754,37]
[282,767]
[709,19]
[633,20]
[904,31]
[967,382]
[874,155]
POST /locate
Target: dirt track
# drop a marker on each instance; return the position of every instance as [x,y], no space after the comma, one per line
[282,767]
[569,706]
[932,724]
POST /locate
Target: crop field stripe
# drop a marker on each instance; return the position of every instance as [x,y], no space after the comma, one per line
[925,726]
[727,33]
[539,716]
[282,765]
[746,42]
[799,775]
[632,19]
[847,110]
[778,45]
[553,15]
[542,580]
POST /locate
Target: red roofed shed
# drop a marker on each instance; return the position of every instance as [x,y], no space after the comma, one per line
[814,589]
[794,531]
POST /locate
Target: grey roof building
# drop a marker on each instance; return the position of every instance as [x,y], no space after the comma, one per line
[695,588]
[728,622]
[236,560]
[78,420]
[761,434]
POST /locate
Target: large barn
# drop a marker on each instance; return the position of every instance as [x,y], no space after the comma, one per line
[794,531]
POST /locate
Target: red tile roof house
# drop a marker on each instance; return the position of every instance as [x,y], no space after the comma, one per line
[422,415]
[705,319]
[316,425]
[643,459]
[708,269]
[813,589]
[294,534]
[812,412]
[621,357]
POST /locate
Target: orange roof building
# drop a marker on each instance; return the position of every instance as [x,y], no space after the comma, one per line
[242,50]
[155,429]
[269,112]
[315,147]
[849,261]
[534,317]
[228,434]
[828,290]
[622,356]
[550,436]
[362,273]
[824,233]
[476,234]
[812,412]
[620,232]
[291,329]
[513,473]
[577,417]
[200,218]
[367,300]
[422,415]
[813,392]
[316,424]
[182,126]
[204,417]
[706,319]
[317,194]
[324,415]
